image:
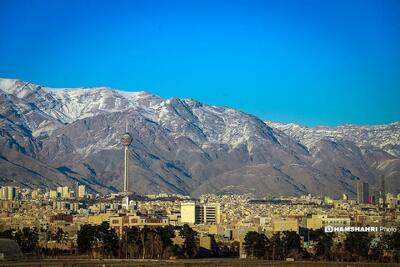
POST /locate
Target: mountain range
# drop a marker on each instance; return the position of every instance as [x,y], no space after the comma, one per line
[51,137]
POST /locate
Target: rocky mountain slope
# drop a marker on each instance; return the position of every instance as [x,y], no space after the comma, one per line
[51,137]
[385,137]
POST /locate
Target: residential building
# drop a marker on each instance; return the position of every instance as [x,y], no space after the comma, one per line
[199,213]
[8,193]
[81,191]
[285,224]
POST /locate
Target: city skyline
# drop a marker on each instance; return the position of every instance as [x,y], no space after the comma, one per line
[218,225]
[312,63]
[199,133]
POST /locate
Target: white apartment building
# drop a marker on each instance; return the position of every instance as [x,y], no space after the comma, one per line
[196,213]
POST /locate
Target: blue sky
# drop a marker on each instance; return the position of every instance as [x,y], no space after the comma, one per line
[309,62]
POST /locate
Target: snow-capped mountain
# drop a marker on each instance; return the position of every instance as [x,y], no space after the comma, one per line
[385,137]
[52,136]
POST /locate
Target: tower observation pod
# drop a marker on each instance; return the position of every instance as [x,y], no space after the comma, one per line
[126,140]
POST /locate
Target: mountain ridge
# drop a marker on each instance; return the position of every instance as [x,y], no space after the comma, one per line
[180,145]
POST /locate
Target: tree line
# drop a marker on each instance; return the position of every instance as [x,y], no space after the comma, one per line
[158,243]
[354,247]
[137,243]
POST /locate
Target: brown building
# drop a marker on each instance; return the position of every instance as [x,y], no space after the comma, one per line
[62,217]
[119,222]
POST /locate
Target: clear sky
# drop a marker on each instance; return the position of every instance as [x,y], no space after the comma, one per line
[309,62]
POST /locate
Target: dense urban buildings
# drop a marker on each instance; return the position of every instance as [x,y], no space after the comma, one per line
[226,218]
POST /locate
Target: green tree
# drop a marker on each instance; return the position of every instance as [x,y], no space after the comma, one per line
[215,249]
[27,239]
[86,238]
[256,245]
[144,237]
[189,244]
[166,235]
[59,235]
[291,243]
[98,236]
[357,244]
[390,243]
[277,247]
[132,242]
[108,238]
[324,244]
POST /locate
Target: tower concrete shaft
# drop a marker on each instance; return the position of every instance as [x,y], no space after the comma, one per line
[126,181]
[126,140]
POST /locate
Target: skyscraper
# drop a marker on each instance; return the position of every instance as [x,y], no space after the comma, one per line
[362,192]
[81,191]
[8,193]
[65,192]
[126,140]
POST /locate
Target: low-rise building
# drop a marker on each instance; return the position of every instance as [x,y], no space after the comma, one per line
[119,222]
[285,224]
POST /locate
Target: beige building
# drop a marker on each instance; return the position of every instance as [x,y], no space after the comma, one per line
[99,218]
[8,192]
[53,194]
[336,221]
[287,224]
[319,221]
[120,222]
[65,192]
[81,191]
[196,213]
[188,212]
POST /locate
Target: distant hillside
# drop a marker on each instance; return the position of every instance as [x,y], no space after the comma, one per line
[53,137]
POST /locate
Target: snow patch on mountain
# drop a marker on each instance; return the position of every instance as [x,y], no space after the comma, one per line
[385,137]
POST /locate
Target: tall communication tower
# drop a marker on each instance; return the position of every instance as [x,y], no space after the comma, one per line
[126,140]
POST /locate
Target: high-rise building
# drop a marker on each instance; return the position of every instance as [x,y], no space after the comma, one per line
[3,193]
[212,213]
[188,212]
[196,213]
[362,192]
[8,192]
[53,194]
[65,192]
[81,191]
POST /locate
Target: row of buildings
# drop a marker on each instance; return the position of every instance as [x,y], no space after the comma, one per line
[8,193]
[61,192]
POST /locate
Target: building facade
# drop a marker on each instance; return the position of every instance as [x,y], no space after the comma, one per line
[199,213]
[362,193]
